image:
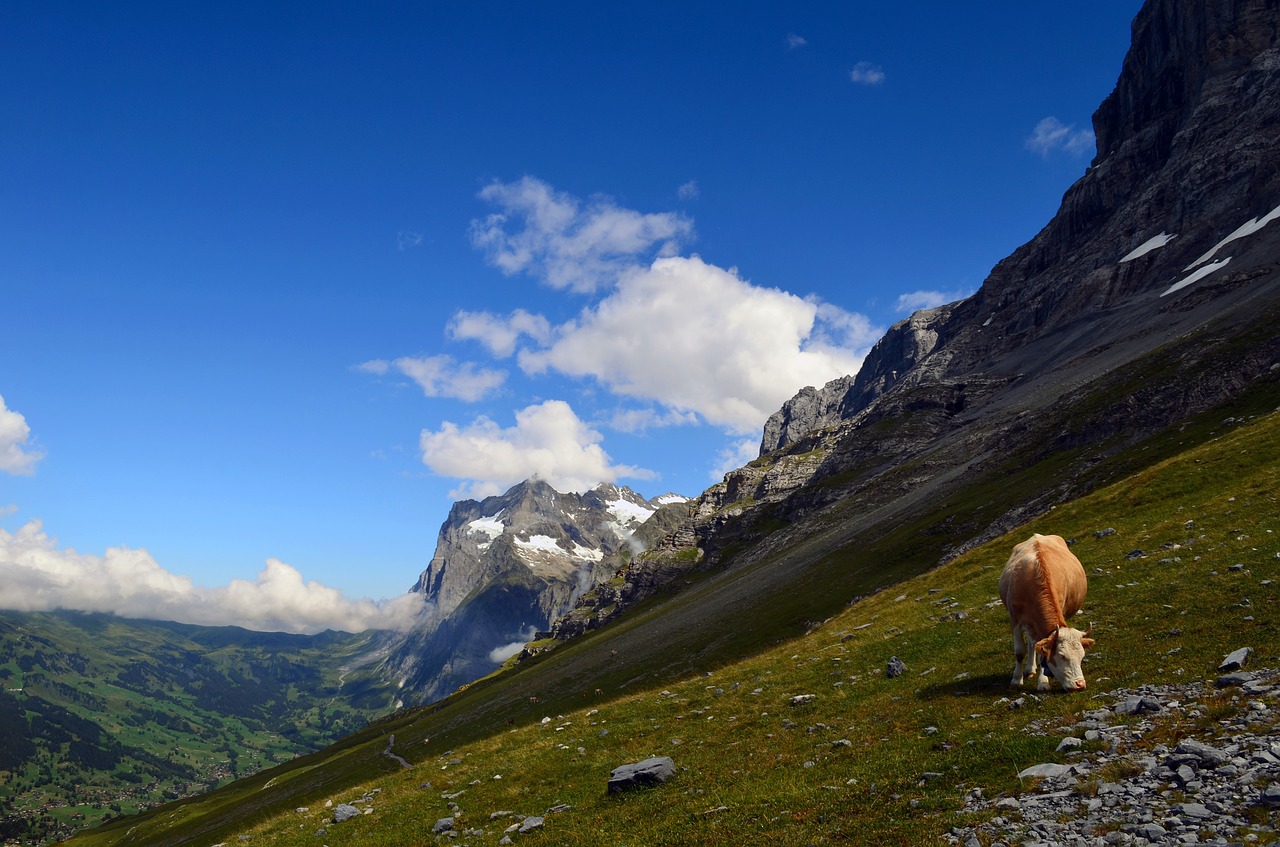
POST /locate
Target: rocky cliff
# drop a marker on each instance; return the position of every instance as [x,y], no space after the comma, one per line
[1152,295]
[504,569]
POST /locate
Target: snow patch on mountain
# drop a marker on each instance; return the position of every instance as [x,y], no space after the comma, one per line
[1155,242]
[492,527]
[540,544]
[1197,276]
[629,513]
[1246,229]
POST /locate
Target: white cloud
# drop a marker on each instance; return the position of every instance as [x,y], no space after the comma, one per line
[506,651]
[407,239]
[499,334]
[37,575]
[639,420]
[17,455]
[689,190]
[734,456]
[550,235]
[865,73]
[1052,135]
[914,301]
[698,338]
[793,41]
[548,442]
[441,376]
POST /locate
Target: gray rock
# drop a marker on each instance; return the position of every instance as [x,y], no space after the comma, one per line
[1152,831]
[1048,770]
[1236,660]
[1235,680]
[1193,810]
[652,771]
[345,812]
[1137,704]
[896,667]
[530,823]
[443,825]
[1210,757]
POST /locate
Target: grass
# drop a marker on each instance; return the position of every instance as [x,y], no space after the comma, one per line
[872,760]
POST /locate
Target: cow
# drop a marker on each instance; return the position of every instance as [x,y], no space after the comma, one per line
[1041,586]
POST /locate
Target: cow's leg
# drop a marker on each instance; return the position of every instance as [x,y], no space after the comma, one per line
[1019,656]
[1038,664]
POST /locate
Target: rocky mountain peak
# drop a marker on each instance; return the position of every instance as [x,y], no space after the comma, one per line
[504,568]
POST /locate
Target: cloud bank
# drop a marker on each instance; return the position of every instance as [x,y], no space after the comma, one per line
[38,576]
[17,455]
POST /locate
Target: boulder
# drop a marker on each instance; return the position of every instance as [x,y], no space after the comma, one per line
[650,772]
[345,812]
[1236,659]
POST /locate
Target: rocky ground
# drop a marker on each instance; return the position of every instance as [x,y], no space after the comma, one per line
[1197,763]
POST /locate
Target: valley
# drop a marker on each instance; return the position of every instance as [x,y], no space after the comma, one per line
[104,717]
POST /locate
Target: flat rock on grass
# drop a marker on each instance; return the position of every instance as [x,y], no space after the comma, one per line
[653,771]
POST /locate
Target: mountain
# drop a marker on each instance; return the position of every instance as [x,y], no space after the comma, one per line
[1151,296]
[101,716]
[504,569]
[1138,327]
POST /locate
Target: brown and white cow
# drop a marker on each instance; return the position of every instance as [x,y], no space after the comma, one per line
[1042,585]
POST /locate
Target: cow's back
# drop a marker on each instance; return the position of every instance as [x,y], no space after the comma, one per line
[1041,558]
[1065,572]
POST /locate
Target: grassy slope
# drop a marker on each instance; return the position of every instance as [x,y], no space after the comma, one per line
[1166,616]
[122,715]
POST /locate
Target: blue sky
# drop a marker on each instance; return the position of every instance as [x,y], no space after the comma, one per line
[282,281]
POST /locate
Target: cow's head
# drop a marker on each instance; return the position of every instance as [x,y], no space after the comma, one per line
[1062,651]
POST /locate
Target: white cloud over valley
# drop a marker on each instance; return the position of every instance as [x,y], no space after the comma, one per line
[37,575]
[18,455]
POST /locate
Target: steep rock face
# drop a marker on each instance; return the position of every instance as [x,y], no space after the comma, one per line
[1188,148]
[1144,301]
[809,410]
[503,569]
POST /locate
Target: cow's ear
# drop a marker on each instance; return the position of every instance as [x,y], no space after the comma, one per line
[1046,645]
[1087,643]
